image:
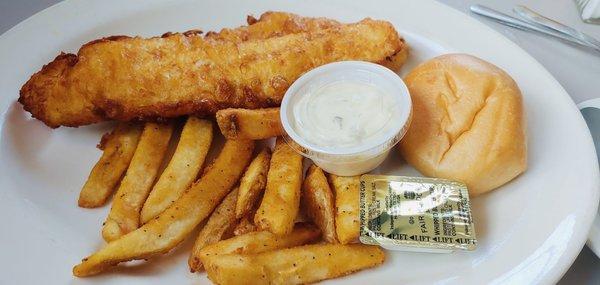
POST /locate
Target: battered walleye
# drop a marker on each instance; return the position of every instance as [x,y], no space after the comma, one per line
[123,78]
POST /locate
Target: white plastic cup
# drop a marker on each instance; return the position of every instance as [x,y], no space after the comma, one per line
[355,160]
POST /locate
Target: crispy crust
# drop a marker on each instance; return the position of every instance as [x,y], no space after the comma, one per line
[38,95]
[124,78]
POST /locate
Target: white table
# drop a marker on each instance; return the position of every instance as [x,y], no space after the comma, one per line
[576,69]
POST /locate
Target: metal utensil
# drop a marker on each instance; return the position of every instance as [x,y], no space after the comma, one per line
[535,18]
[527,26]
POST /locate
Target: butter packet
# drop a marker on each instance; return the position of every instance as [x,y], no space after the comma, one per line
[415,214]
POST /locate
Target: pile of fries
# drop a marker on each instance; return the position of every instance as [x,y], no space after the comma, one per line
[264,222]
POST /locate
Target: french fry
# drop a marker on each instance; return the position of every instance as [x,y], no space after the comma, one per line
[245,225]
[172,226]
[218,223]
[257,242]
[297,265]
[124,215]
[254,124]
[317,200]
[281,200]
[183,168]
[347,223]
[253,183]
[118,148]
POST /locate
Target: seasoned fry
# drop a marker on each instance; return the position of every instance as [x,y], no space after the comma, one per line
[182,170]
[253,183]
[257,242]
[281,200]
[254,124]
[222,219]
[124,215]
[347,223]
[172,226]
[118,148]
[318,202]
[297,265]
[245,225]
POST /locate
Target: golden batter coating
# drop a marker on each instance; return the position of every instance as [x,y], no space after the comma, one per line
[123,78]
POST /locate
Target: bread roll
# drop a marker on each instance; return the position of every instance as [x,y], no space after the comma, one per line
[468,123]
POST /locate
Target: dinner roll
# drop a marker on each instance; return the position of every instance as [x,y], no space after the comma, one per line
[468,123]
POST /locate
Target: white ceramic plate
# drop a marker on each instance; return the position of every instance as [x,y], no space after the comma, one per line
[591,112]
[530,230]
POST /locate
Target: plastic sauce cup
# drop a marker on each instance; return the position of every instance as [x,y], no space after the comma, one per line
[348,161]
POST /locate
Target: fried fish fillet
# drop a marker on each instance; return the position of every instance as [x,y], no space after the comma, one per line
[122,78]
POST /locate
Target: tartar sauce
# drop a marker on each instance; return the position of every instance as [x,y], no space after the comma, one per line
[344,114]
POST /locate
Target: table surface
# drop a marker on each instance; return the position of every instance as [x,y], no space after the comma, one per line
[577,69]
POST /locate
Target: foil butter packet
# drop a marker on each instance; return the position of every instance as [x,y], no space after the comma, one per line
[415,214]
